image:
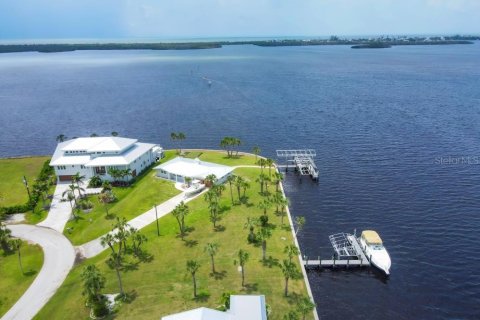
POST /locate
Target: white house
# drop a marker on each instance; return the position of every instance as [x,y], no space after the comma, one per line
[94,156]
[179,168]
[242,307]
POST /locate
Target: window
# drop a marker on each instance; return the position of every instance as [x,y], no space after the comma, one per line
[82,167]
[100,170]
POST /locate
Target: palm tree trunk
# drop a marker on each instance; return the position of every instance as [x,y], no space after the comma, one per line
[231,192]
[194,286]
[213,264]
[119,278]
[264,250]
[238,191]
[20,260]
[243,277]
[286,287]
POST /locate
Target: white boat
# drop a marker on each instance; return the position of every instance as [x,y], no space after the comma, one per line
[373,247]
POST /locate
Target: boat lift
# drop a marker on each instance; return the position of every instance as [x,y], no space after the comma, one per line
[301,160]
[348,253]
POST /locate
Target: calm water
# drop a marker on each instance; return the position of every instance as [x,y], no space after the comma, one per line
[380,120]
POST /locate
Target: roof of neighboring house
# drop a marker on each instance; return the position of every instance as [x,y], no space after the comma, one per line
[248,307]
[194,168]
[131,151]
[199,314]
[242,307]
[99,144]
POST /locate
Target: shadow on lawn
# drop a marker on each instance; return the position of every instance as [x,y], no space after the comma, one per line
[250,287]
[30,273]
[270,262]
[219,275]
[191,243]
[202,296]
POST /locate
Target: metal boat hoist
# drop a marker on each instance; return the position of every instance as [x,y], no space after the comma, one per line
[348,253]
[301,160]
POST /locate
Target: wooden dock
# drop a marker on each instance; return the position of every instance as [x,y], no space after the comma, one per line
[359,261]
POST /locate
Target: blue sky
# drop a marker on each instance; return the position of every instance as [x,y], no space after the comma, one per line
[66,19]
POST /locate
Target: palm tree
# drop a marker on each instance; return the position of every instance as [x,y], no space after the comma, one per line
[300,222]
[231,180]
[211,249]
[277,179]
[210,180]
[114,133]
[188,181]
[251,224]
[114,173]
[126,172]
[291,251]
[269,162]
[70,192]
[245,186]
[108,240]
[77,178]
[104,198]
[115,259]
[238,183]
[263,235]
[305,305]
[61,138]
[218,189]
[5,235]
[265,204]
[227,143]
[122,233]
[93,283]
[283,205]
[256,151]
[94,135]
[174,138]
[262,178]
[289,271]
[181,136]
[214,212]
[292,315]
[180,212]
[242,260]
[16,244]
[262,163]
[192,267]
[137,239]
[70,197]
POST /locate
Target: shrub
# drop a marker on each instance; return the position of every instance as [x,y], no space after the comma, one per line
[100,308]
[85,204]
[263,221]
[95,182]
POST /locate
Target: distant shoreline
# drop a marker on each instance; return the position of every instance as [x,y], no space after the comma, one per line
[355,43]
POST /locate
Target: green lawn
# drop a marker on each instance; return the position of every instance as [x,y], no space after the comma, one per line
[162,286]
[12,189]
[14,283]
[132,201]
[221,158]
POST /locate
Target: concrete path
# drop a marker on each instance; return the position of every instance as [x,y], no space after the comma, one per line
[60,211]
[59,257]
[93,248]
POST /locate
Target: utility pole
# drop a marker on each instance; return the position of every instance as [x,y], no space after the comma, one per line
[156,219]
[25,182]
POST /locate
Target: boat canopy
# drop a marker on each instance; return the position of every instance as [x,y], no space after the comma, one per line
[371,237]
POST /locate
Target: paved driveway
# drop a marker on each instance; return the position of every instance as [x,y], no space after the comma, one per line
[59,257]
